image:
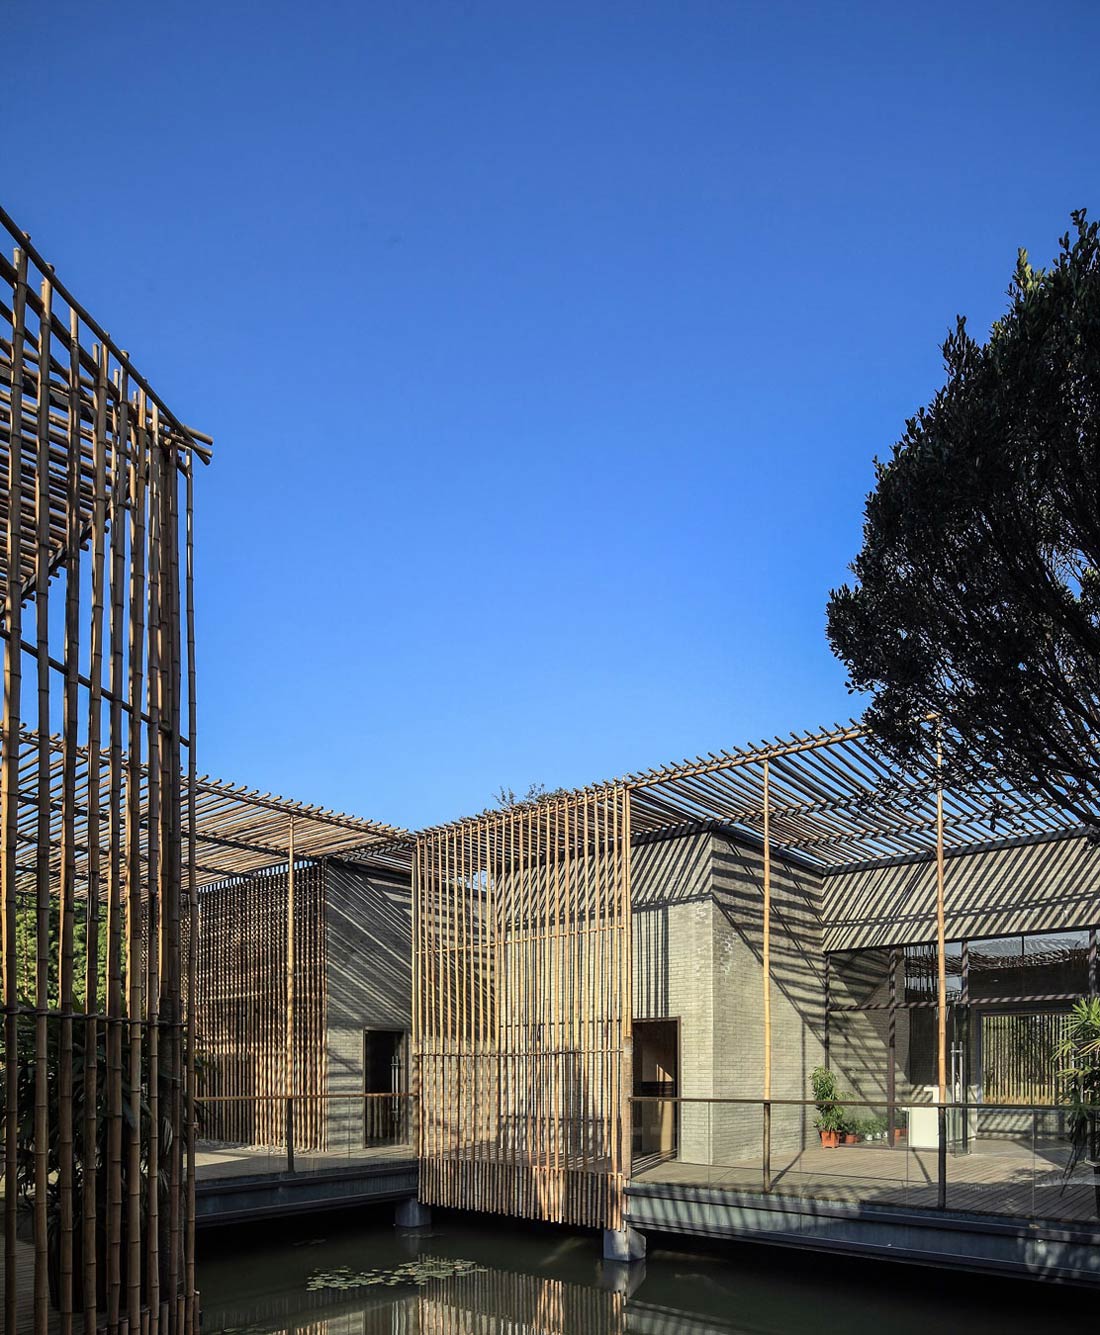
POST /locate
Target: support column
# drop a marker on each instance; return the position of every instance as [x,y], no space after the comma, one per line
[412,1213]
[941,988]
[623,1244]
[289,1061]
[766,956]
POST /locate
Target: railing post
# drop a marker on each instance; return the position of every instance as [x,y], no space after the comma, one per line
[767,1144]
[290,1134]
[941,1156]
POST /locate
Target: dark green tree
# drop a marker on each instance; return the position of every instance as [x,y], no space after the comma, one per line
[977,593]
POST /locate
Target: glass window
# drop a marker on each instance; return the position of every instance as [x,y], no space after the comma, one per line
[1050,964]
[1019,1056]
[921,971]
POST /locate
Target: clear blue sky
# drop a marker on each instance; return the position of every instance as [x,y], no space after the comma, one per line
[546,346]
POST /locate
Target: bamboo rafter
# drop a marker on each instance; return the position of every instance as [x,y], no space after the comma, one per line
[237,830]
[834,799]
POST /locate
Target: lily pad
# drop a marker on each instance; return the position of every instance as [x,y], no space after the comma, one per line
[419,1272]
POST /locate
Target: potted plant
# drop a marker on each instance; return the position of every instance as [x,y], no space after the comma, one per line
[1079,1056]
[830,1120]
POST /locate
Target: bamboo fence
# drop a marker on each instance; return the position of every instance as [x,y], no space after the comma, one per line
[521,1013]
[243,1013]
[97,570]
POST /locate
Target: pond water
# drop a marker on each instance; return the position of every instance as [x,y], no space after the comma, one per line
[342,1277]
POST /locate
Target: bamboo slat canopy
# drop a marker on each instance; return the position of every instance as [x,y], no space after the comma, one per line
[834,799]
[237,830]
[521,960]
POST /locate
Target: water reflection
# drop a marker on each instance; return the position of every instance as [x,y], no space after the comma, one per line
[466,1278]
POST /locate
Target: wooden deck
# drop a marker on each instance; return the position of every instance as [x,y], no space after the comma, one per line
[228,1161]
[998,1178]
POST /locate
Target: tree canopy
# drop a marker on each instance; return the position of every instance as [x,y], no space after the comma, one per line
[977,590]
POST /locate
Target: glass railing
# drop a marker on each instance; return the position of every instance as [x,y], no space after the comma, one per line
[241,1136]
[987,1159]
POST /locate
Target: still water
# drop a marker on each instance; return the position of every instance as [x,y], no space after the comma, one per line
[335,1277]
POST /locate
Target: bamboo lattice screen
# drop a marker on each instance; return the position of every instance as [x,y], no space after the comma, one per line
[242,1008]
[521,1020]
[96,557]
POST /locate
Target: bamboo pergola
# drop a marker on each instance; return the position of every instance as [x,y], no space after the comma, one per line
[260,983]
[97,623]
[262,980]
[522,947]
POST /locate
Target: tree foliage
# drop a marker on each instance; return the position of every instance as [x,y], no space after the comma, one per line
[977,593]
[537,793]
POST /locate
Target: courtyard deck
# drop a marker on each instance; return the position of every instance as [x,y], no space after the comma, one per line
[1003,1178]
[215,1162]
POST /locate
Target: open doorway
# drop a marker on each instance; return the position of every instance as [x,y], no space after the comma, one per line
[656,1084]
[385,1077]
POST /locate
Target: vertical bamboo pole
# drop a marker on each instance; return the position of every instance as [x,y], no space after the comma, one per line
[92,1002]
[941,961]
[45,806]
[626,937]
[154,865]
[941,982]
[171,844]
[116,865]
[767,980]
[9,780]
[71,656]
[134,973]
[290,998]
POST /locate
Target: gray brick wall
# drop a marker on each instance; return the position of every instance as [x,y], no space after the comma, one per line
[368,962]
[797,997]
[673,920]
[698,937]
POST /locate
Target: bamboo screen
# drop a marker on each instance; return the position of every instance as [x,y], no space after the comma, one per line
[242,1008]
[1020,1056]
[96,562]
[522,1009]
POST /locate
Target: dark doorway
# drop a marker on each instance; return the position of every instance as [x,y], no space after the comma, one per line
[385,1082]
[656,1120]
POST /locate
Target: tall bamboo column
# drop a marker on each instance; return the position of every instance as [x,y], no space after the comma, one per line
[941,985]
[290,998]
[766,961]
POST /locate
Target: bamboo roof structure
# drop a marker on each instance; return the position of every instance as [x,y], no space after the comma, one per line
[78,390]
[835,800]
[238,830]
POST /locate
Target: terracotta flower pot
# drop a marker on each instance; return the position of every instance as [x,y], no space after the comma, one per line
[829,1139]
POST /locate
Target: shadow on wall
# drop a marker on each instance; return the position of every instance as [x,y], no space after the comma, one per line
[666,878]
[368,974]
[797,992]
[996,891]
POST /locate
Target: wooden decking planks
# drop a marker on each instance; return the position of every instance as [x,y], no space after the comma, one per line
[1014,1184]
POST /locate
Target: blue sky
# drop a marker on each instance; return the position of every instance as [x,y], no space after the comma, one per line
[546,347]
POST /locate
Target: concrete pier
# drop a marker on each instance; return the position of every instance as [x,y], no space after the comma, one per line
[623,1244]
[411,1213]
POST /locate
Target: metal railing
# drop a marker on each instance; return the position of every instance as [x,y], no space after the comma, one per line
[267,1133]
[1009,1160]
